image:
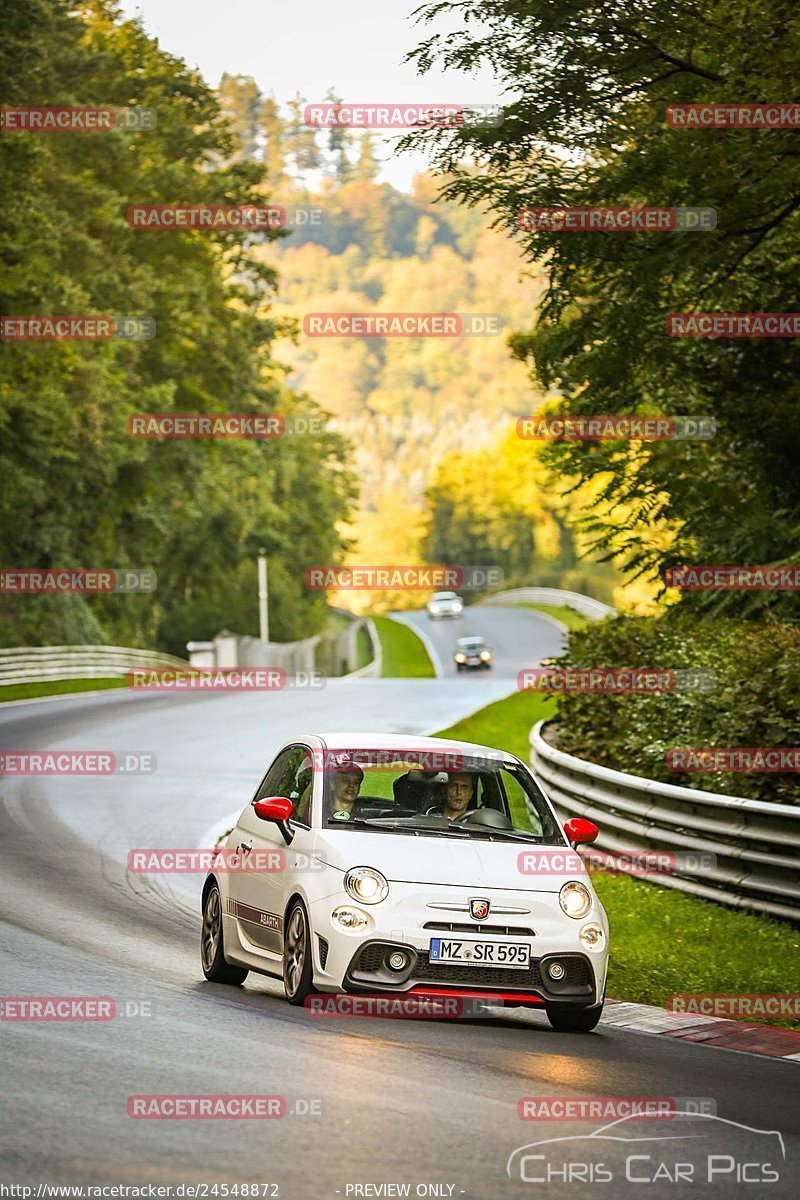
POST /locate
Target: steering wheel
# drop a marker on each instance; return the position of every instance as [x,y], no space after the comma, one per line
[485,816]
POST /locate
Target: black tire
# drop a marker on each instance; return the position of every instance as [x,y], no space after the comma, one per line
[298,969]
[212,948]
[574,1020]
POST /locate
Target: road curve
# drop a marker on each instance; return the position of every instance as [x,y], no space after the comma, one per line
[416,1103]
[519,637]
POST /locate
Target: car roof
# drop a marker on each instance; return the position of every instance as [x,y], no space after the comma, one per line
[470,638]
[444,595]
[394,741]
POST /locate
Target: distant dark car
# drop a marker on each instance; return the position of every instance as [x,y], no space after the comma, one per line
[472,652]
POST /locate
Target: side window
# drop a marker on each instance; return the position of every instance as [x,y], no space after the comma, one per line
[291,776]
[520,808]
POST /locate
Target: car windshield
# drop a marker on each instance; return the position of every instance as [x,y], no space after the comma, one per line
[471,643]
[444,596]
[440,793]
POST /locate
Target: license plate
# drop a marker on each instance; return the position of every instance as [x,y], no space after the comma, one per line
[479,954]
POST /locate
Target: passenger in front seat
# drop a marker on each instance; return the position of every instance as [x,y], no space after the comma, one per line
[345,786]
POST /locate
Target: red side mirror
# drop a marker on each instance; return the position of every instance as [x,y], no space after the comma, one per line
[580,831]
[273,808]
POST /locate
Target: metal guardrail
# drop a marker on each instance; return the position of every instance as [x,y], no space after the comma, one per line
[595,610]
[41,664]
[739,852]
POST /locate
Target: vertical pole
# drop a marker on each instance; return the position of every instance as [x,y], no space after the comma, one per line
[263,594]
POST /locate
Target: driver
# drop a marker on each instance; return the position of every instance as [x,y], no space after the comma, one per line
[459,793]
[345,786]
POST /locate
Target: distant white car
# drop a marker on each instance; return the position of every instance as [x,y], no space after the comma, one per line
[388,864]
[445,604]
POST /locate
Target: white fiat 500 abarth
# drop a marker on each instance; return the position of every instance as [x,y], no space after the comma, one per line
[373,863]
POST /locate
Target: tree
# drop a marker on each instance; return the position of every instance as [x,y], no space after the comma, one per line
[77,490]
[584,124]
[302,149]
[243,105]
[338,164]
[368,164]
[273,127]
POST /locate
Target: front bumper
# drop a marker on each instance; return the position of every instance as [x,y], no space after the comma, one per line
[356,961]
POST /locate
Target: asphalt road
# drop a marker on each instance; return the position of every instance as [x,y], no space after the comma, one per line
[392,1102]
[519,637]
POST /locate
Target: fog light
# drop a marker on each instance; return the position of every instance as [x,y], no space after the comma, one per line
[349,918]
[398,961]
[593,936]
[555,970]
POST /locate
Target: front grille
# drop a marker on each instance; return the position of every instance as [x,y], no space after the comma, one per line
[514,977]
[455,927]
[323,951]
[370,961]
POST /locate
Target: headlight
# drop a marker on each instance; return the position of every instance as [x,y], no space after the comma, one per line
[349,918]
[575,900]
[434,608]
[593,936]
[367,885]
[461,658]
[486,656]
[457,607]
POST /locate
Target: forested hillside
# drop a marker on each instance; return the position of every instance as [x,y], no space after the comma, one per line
[418,411]
[77,491]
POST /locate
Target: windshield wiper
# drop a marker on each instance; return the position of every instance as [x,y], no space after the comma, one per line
[394,827]
[514,835]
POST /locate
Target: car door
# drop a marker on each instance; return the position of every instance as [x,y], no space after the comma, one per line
[258,892]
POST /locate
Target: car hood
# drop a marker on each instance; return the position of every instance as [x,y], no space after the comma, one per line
[403,858]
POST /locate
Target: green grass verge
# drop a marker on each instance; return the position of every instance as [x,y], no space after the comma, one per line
[404,655]
[567,616]
[57,687]
[663,942]
[363,648]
